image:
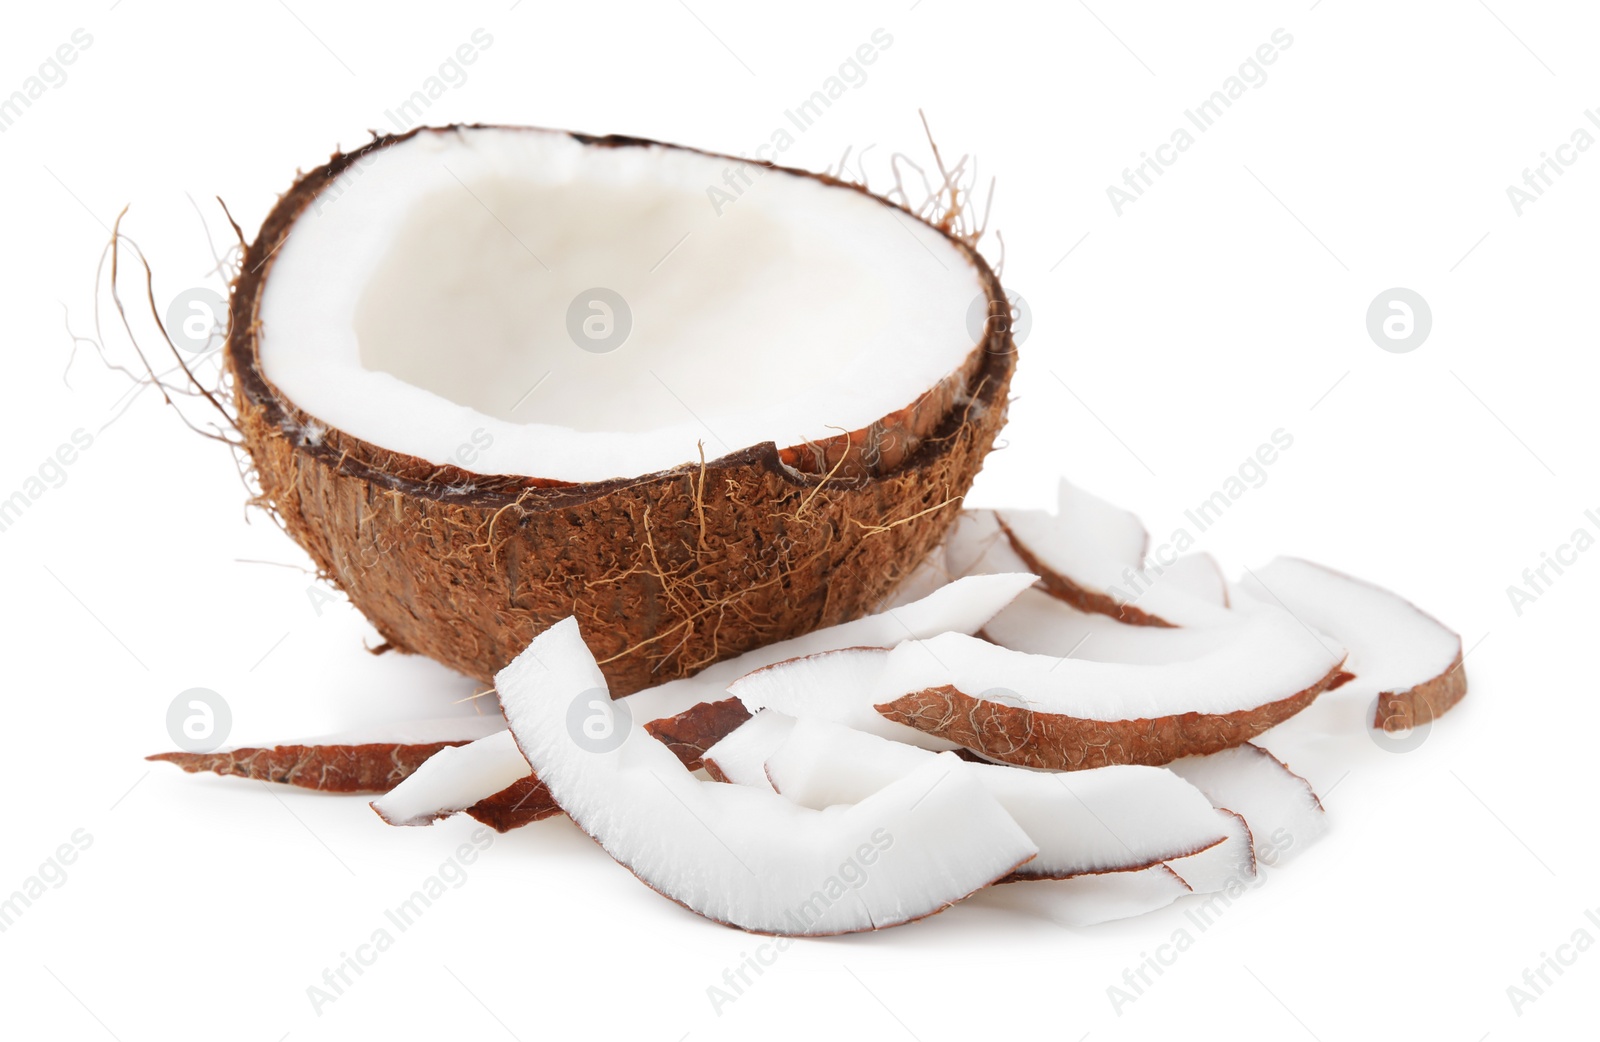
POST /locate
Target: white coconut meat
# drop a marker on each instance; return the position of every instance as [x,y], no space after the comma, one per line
[425,302]
[1091,565]
[840,687]
[1084,519]
[1284,814]
[976,545]
[477,771]
[1111,819]
[1230,865]
[449,784]
[1090,900]
[747,857]
[1040,624]
[1268,658]
[1200,576]
[1395,647]
[741,757]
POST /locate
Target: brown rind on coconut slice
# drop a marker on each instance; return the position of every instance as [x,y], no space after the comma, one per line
[1021,736]
[1415,706]
[691,733]
[521,803]
[373,767]
[467,568]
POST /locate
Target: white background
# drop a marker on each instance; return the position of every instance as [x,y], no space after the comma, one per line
[1167,343]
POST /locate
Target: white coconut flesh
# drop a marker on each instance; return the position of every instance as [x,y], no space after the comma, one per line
[1394,645]
[1058,545]
[1199,575]
[1229,865]
[1284,814]
[446,785]
[1040,624]
[1092,899]
[421,303]
[741,757]
[976,545]
[1103,820]
[742,855]
[477,771]
[840,687]
[1269,658]
[1084,519]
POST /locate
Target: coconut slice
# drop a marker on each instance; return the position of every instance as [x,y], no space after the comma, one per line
[373,759]
[976,545]
[1228,865]
[572,383]
[741,757]
[1200,576]
[836,686]
[1074,567]
[454,780]
[1040,624]
[1284,814]
[1091,900]
[1410,657]
[1113,819]
[1067,714]
[1085,519]
[746,857]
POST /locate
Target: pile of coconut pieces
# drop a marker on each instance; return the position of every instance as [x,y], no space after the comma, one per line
[1014,715]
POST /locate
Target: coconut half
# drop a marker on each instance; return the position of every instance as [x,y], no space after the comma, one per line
[1069,713]
[490,377]
[1411,658]
[1114,819]
[744,856]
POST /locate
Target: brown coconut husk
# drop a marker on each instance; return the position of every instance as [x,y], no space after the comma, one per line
[667,572]
[370,767]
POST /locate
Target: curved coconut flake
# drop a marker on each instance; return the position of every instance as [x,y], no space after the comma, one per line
[1200,576]
[1113,819]
[976,545]
[369,759]
[1083,518]
[1284,814]
[836,686]
[741,757]
[1040,624]
[1412,658]
[747,857]
[1068,714]
[1229,865]
[1077,570]
[1093,899]
[453,780]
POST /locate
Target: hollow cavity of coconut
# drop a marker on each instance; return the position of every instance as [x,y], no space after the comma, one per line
[492,377]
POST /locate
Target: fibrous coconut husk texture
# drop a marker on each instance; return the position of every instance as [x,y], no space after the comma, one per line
[667,572]
[373,767]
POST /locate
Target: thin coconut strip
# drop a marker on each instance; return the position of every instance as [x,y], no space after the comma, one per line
[1039,624]
[1068,714]
[1199,575]
[681,711]
[1088,578]
[741,757]
[371,760]
[1090,900]
[1111,531]
[836,686]
[742,856]
[1412,659]
[1283,812]
[1114,819]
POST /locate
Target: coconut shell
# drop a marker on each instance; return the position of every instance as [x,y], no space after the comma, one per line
[1017,735]
[667,572]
